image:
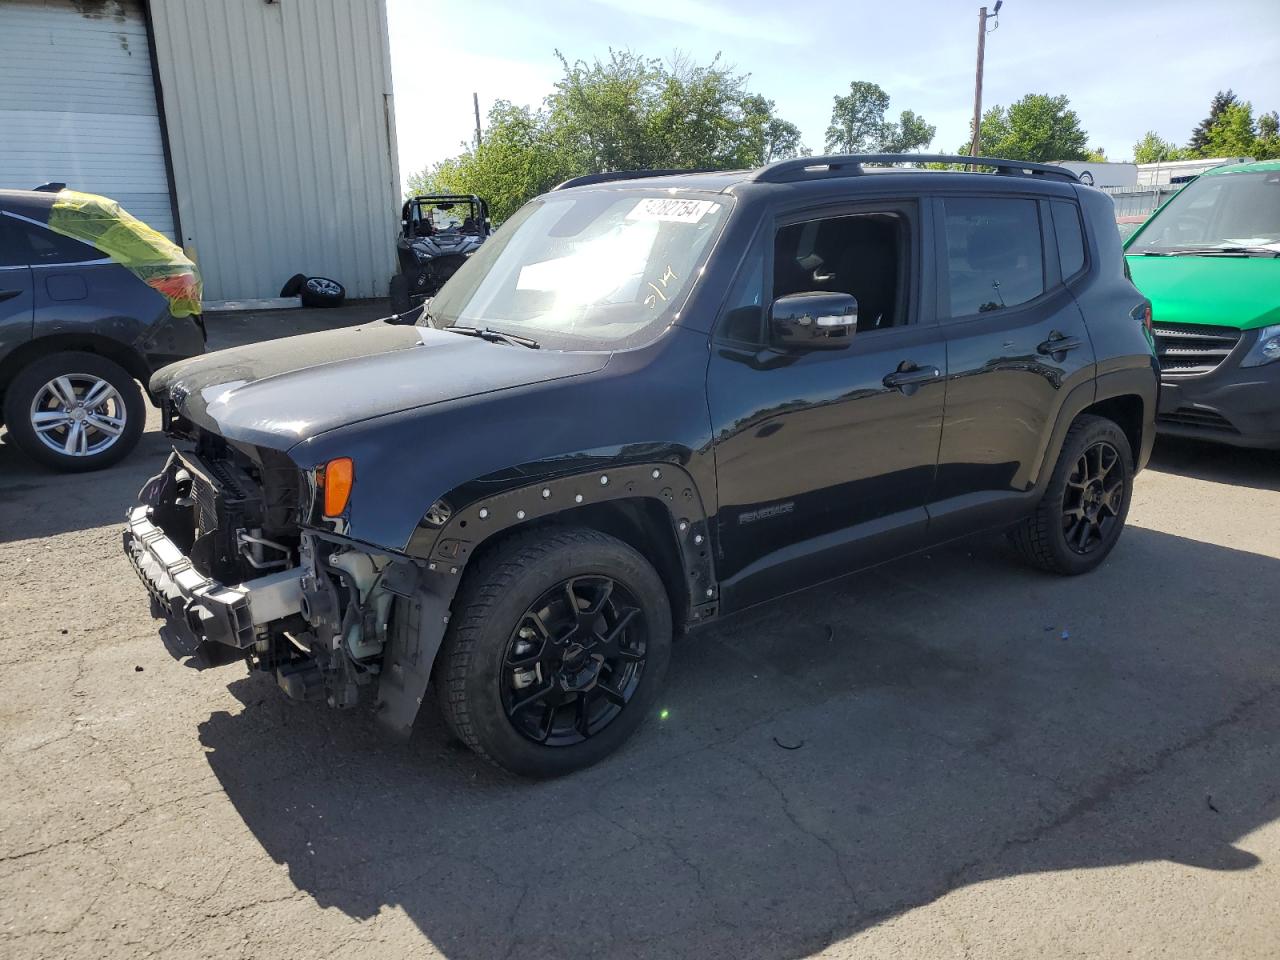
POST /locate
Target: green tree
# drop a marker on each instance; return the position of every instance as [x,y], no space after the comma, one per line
[622,113]
[1230,130]
[910,133]
[1268,143]
[1234,134]
[1039,128]
[1152,148]
[772,137]
[859,125]
[1199,142]
[515,161]
[857,119]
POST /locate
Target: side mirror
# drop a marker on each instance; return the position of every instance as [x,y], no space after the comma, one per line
[813,321]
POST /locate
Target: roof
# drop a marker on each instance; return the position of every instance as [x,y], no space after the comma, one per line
[847,169]
[1255,167]
[27,202]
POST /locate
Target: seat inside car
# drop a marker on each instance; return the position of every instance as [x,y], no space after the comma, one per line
[858,255]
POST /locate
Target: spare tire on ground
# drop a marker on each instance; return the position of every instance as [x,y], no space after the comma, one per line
[293,285]
[322,292]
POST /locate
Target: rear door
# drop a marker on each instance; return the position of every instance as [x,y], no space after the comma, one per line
[17,300]
[1016,346]
[78,288]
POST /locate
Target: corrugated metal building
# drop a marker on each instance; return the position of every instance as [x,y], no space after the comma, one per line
[260,133]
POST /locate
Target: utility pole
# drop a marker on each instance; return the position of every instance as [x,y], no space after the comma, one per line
[475,102]
[976,144]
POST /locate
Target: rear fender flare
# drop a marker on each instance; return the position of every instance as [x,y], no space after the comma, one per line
[1134,381]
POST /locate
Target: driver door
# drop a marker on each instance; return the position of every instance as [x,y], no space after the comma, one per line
[825,459]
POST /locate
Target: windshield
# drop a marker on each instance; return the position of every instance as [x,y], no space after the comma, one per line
[1227,210]
[594,270]
[427,218]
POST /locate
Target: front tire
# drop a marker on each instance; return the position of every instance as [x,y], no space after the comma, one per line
[74,411]
[1083,510]
[556,651]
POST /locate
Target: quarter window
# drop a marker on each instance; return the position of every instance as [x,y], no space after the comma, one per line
[1066,225]
[743,317]
[13,252]
[995,257]
[27,243]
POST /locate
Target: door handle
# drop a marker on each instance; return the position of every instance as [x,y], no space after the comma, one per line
[1059,344]
[909,375]
[8,294]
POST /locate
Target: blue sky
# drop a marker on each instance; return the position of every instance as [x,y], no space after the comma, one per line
[1127,66]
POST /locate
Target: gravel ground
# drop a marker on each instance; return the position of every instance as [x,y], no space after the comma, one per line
[949,756]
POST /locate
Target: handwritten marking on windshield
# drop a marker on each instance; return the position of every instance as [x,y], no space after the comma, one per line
[667,276]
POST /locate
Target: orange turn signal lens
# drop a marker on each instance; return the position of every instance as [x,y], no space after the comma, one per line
[336,479]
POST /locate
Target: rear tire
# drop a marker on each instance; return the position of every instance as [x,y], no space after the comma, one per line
[1083,510]
[72,435]
[585,678]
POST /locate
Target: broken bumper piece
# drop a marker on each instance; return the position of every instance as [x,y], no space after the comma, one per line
[203,608]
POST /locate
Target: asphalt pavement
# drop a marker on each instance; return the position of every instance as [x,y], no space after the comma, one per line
[948,756]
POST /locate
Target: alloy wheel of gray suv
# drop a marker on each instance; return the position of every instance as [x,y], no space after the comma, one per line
[74,411]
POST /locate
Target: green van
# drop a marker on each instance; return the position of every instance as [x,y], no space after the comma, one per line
[1209,262]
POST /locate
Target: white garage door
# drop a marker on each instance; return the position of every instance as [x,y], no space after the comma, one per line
[78,103]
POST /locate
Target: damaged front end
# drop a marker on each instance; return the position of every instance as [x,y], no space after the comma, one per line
[222,538]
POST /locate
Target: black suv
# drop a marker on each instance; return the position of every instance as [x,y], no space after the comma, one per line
[646,403]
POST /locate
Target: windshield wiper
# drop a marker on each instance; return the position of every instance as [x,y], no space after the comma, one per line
[494,336]
[1213,252]
[1249,251]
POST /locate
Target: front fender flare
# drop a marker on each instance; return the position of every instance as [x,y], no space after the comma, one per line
[449,536]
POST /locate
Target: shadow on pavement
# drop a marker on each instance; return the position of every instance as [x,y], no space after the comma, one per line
[37,502]
[837,759]
[1259,469]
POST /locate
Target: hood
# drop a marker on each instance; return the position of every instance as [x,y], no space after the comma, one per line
[1239,292]
[280,392]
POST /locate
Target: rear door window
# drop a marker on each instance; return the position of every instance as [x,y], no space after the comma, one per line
[995,255]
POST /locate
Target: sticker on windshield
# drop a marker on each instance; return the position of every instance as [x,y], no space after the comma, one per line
[671,210]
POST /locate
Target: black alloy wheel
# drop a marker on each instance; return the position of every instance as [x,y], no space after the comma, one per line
[1081,513]
[574,661]
[557,645]
[1093,498]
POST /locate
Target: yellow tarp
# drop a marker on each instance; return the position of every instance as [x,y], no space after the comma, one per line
[152,257]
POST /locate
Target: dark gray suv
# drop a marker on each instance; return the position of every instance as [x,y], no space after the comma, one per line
[645,403]
[79,328]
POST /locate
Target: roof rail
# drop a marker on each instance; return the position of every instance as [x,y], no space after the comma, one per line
[850,165]
[611,176]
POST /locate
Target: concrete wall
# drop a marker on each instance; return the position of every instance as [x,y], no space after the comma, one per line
[282,137]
